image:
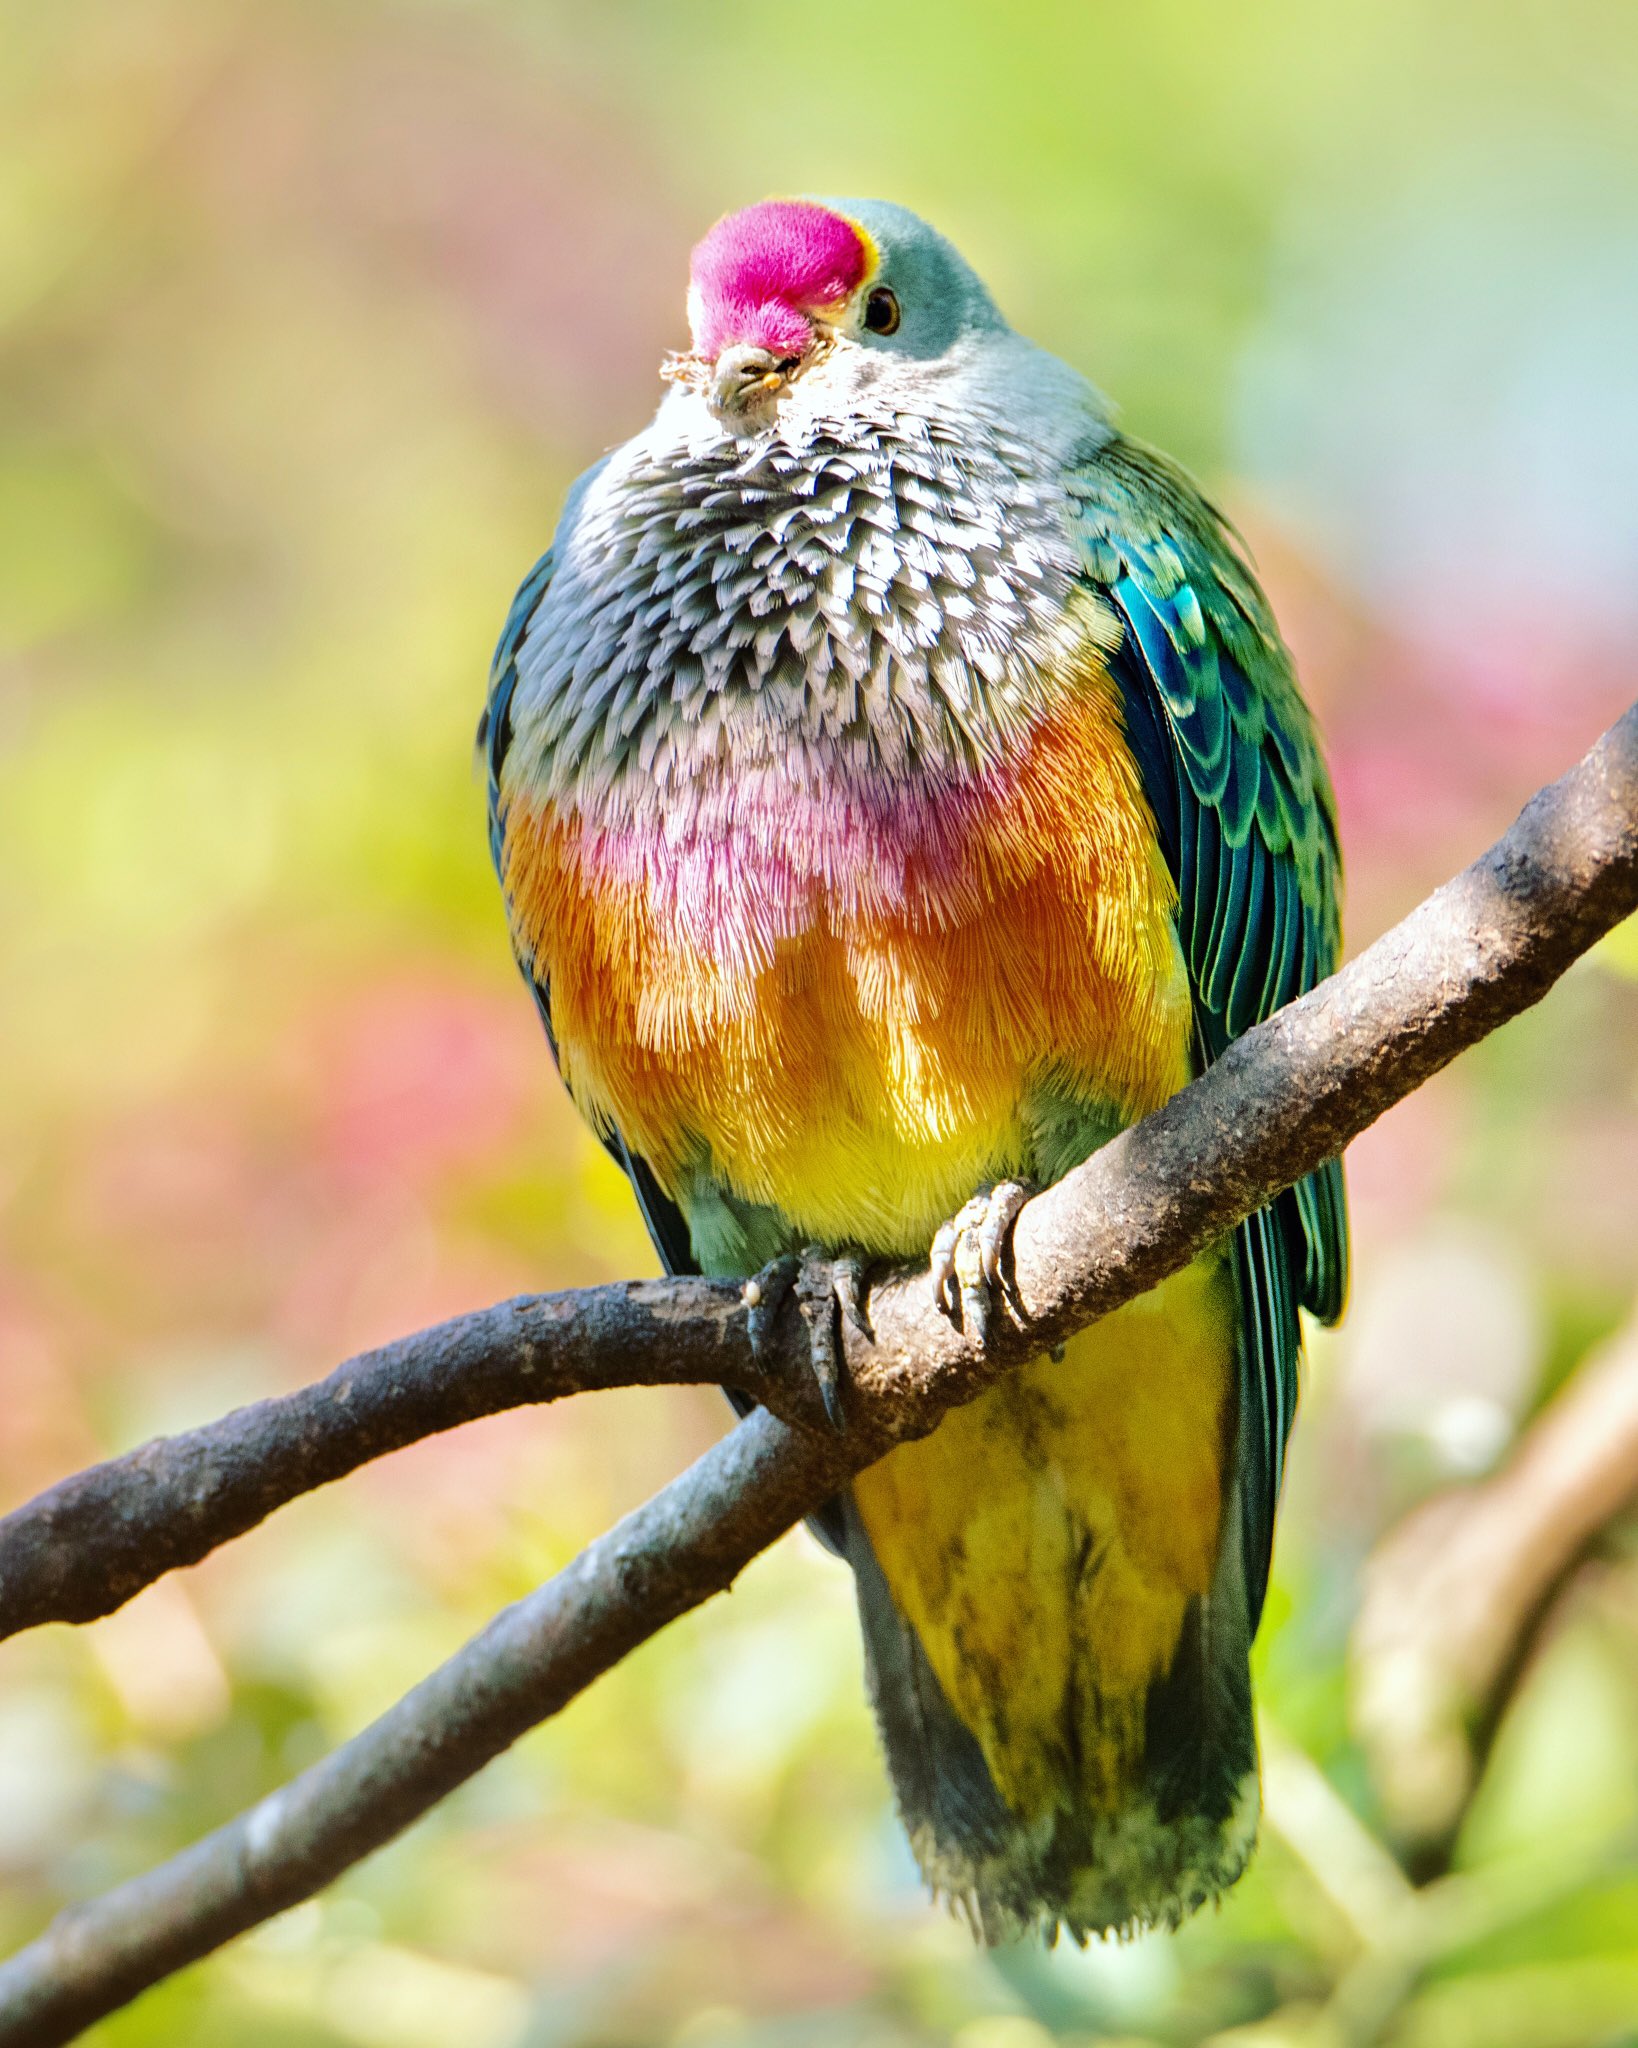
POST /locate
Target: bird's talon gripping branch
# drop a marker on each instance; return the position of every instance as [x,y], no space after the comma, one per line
[827,1288]
[972,1257]
[850,1282]
[764,1294]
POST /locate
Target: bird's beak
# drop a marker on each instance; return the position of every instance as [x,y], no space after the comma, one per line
[746,384]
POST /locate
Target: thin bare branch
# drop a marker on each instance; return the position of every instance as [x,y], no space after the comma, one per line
[88,1544]
[689,1541]
[1284,1098]
[1456,1594]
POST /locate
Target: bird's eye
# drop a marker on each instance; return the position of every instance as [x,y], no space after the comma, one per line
[881,313]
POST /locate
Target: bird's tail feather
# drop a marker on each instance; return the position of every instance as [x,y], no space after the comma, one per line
[1180,1833]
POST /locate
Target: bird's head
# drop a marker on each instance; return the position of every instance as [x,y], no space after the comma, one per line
[819,292]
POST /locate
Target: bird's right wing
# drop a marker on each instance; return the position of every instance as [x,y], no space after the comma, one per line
[666,1225]
[1233,773]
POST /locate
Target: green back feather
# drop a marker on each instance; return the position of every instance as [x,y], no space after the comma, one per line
[1233,772]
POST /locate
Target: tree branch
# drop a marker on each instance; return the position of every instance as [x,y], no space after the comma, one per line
[1456,1594]
[1282,1099]
[689,1541]
[88,1544]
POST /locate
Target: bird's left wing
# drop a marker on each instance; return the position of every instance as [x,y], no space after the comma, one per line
[1233,774]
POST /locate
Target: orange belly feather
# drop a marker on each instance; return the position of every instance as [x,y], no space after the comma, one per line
[865,1067]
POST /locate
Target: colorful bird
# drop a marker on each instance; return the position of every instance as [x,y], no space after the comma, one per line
[899,785]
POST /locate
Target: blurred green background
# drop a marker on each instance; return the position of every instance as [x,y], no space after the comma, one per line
[308,314]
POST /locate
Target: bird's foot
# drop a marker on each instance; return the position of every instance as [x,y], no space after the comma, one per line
[972,1257]
[828,1288]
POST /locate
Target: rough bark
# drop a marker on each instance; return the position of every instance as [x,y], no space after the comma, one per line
[88,1544]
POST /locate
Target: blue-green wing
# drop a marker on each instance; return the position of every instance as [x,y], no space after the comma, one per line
[1233,772]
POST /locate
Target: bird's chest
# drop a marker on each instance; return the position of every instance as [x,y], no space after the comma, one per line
[822,831]
[868,603]
[852,1007]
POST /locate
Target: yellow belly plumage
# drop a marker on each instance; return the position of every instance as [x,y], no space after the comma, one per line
[1046,1540]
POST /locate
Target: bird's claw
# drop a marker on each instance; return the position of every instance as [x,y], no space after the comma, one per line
[827,1288]
[972,1258]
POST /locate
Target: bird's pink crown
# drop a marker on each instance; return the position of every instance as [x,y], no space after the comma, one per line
[759,274]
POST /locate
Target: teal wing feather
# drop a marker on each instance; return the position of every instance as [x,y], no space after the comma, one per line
[1233,773]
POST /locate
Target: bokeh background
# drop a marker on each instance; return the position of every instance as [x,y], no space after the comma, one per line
[308,314]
